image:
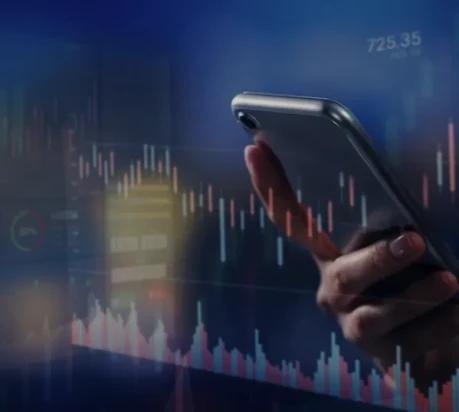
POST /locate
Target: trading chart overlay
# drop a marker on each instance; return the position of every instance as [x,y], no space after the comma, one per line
[127,207]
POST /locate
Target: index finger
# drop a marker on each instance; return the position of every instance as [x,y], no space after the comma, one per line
[273,188]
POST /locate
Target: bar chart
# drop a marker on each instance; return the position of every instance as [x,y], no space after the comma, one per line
[333,375]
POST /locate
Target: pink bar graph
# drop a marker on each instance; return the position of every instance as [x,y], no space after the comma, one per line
[288,222]
[351,192]
[232,214]
[112,163]
[425,191]
[330,216]
[271,203]
[310,221]
[333,376]
[192,202]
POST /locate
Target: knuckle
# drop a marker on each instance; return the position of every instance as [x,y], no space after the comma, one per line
[323,301]
[338,280]
[357,327]
[331,303]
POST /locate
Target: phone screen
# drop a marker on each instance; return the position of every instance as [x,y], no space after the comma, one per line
[333,180]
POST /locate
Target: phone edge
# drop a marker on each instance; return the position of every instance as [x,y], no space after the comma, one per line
[342,117]
[345,119]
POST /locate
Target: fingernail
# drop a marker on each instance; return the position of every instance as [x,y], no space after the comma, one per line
[400,247]
[247,159]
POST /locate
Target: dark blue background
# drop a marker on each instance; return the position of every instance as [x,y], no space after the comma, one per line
[217,50]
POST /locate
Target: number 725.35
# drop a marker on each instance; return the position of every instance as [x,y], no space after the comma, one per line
[394,42]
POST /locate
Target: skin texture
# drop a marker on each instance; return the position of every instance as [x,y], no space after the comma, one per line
[420,316]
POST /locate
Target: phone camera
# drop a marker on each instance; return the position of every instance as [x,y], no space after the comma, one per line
[248,121]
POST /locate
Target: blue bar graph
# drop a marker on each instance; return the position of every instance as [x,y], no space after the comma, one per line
[262,217]
[356,381]
[250,367]
[341,180]
[435,397]
[319,376]
[133,335]
[196,348]
[120,326]
[145,157]
[132,174]
[98,329]
[80,167]
[218,357]
[105,172]
[334,368]
[439,169]
[234,362]
[398,379]
[341,185]
[319,222]
[455,387]
[280,251]
[80,334]
[109,331]
[329,376]
[152,158]
[94,156]
[159,338]
[364,210]
[260,359]
[375,387]
[168,162]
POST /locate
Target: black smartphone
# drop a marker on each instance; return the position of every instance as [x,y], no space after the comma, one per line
[332,164]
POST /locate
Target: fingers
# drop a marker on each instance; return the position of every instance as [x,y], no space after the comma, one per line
[271,184]
[352,274]
[371,321]
[273,188]
[417,337]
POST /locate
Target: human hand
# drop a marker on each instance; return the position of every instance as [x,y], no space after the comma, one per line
[420,317]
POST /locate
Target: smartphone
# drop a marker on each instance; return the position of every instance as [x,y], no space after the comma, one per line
[331,162]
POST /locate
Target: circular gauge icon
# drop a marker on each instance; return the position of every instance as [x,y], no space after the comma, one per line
[27,231]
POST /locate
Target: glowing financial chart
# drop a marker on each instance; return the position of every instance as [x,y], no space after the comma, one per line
[171,257]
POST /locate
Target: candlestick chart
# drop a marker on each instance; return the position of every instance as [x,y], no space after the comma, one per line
[166,261]
[235,229]
[110,331]
[54,102]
